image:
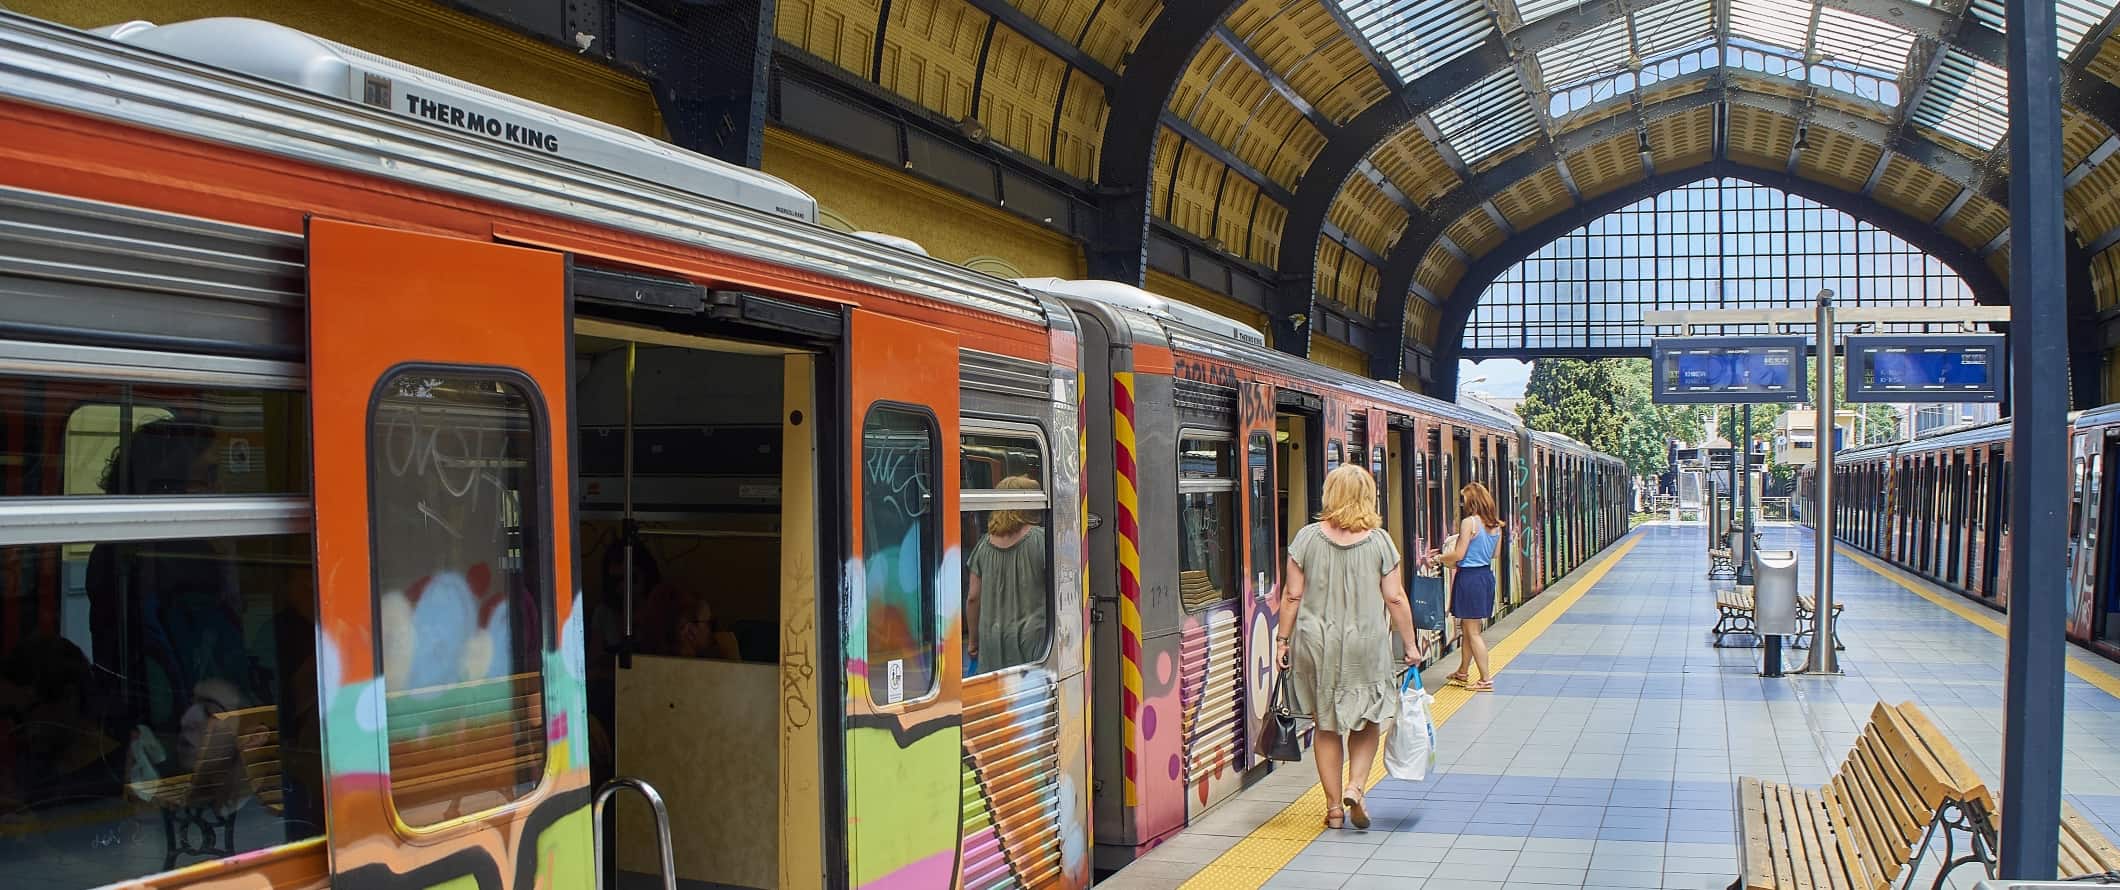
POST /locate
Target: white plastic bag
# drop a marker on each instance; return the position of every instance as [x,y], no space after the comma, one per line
[1409,753]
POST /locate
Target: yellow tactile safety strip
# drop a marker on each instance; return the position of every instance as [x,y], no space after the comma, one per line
[1263,853]
[2078,663]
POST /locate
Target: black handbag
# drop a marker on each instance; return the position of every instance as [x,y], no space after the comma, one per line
[1282,736]
[1426,594]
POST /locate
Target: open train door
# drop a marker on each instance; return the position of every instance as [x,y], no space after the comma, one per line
[449,653]
[904,661]
[1256,422]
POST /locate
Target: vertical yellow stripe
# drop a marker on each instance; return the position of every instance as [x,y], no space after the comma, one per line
[1130,571]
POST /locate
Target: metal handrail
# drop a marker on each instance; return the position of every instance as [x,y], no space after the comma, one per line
[662,825]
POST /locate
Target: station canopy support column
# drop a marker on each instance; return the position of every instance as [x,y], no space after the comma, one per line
[2032,686]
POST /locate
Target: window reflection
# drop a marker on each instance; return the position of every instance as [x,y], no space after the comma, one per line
[899,541]
[1008,601]
[155,687]
[458,582]
[1207,555]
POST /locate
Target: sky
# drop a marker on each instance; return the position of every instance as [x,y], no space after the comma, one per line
[1505,377]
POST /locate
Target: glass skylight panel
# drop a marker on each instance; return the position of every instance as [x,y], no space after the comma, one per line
[2075,20]
[1600,50]
[1486,117]
[1672,26]
[1987,12]
[1967,100]
[1528,11]
[1419,36]
[1863,42]
[1781,24]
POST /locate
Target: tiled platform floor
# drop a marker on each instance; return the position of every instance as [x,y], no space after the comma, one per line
[1607,755]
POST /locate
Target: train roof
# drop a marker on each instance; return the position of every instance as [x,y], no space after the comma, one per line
[570,167]
[1195,330]
[308,62]
[2103,415]
[1126,296]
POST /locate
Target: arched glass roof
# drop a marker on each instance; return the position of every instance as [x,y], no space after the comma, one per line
[1712,244]
[1367,167]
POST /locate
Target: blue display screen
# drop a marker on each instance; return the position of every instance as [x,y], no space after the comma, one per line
[1930,368]
[1933,367]
[1717,370]
[1747,369]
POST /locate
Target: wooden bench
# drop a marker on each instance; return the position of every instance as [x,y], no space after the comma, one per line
[1807,622]
[1901,786]
[460,749]
[1734,616]
[239,759]
[1860,830]
[1197,591]
[1721,564]
[2084,849]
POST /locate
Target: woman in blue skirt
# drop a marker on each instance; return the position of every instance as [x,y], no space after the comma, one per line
[1472,590]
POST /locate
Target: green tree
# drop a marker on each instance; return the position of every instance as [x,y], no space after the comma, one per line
[1606,405]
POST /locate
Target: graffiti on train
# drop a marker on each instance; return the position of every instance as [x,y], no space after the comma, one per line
[1198,371]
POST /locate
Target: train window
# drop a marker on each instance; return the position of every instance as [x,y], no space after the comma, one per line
[1376,468]
[1332,455]
[900,542]
[1265,555]
[1207,551]
[111,438]
[163,683]
[460,582]
[1008,596]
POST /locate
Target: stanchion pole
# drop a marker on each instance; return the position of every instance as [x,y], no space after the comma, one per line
[1823,659]
[1742,550]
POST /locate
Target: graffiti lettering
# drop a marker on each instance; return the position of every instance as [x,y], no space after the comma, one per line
[796,672]
[1200,372]
[459,454]
[903,472]
[1158,596]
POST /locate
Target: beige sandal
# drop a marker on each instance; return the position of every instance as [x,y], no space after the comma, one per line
[1355,812]
[1332,817]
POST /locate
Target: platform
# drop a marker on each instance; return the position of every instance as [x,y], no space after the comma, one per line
[1608,752]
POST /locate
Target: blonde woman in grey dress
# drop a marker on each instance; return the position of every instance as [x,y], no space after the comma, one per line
[1004,593]
[1342,599]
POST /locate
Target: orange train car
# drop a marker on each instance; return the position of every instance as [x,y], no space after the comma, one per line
[390,467]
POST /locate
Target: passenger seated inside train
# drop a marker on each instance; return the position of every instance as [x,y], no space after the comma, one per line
[157,696]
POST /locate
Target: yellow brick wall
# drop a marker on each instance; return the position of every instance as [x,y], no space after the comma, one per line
[1175,288]
[1335,354]
[866,196]
[416,32]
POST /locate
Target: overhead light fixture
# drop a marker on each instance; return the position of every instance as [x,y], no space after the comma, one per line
[972,129]
[1803,138]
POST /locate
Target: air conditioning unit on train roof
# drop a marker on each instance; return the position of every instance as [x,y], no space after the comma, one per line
[308,62]
[1127,296]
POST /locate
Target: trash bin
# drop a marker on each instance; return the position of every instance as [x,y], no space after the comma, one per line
[1774,592]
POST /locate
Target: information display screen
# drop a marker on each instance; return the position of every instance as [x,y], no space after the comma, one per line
[1926,368]
[1728,370]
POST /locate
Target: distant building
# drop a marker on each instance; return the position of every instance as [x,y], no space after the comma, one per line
[1796,434]
[1924,420]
